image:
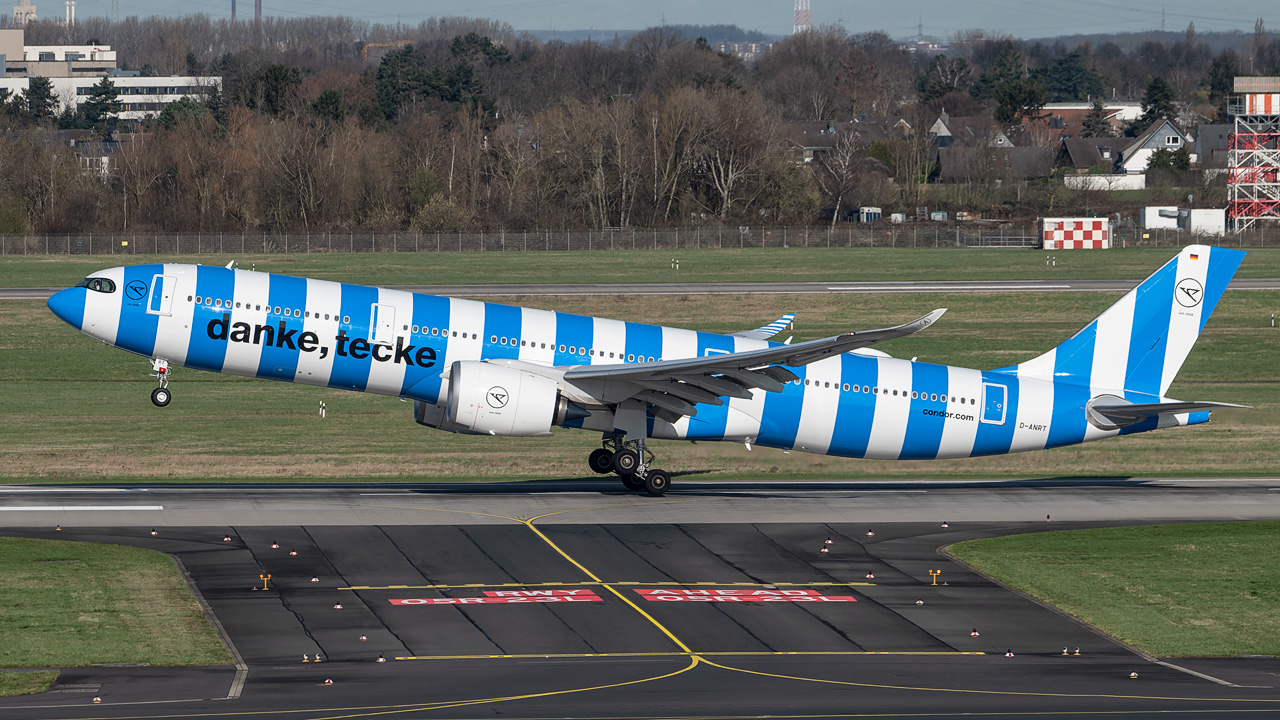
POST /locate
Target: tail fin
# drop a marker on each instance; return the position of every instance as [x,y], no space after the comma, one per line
[1141,341]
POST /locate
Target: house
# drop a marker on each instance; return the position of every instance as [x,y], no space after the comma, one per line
[969,131]
[1136,153]
[1066,119]
[1121,156]
[960,163]
[812,139]
[1211,145]
[1085,154]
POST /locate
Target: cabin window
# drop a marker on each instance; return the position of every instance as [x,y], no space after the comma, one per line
[591,352]
[913,395]
[522,343]
[573,349]
[544,346]
[188,298]
[895,393]
[846,387]
[562,348]
[933,397]
[631,357]
[346,319]
[611,355]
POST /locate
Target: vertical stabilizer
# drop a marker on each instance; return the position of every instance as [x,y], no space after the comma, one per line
[1141,341]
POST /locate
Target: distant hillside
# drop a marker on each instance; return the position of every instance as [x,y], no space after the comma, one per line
[1130,41]
[714,34]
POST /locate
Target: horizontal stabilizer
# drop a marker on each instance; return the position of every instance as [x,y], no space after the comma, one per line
[768,331]
[1110,412]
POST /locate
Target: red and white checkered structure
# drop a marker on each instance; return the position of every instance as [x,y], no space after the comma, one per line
[1075,233]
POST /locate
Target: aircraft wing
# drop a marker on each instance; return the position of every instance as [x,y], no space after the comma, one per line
[1111,412]
[675,386]
[768,331]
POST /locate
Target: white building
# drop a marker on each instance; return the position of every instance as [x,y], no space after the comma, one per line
[140,96]
[23,13]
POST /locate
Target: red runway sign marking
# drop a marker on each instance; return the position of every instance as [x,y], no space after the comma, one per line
[582,596]
[793,596]
[539,593]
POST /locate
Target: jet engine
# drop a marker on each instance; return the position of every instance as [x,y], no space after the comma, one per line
[498,400]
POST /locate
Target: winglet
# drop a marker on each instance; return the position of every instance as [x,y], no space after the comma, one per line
[768,331]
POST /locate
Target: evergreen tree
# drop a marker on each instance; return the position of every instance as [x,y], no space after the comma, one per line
[40,100]
[1157,101]
[1096,123]
[1070,79]
[102,108]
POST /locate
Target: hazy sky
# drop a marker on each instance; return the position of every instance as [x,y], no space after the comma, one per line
[1024,18]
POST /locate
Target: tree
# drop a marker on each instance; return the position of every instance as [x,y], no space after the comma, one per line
[40,100]
[102,108]
[1070,79]
[1096,123]
[1157,101]
[1019,98]
[1164,159]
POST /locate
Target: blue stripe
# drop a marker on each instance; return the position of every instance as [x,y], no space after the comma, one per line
[137,331]
[711,420]
[997,439]
[856,410]
[1067,426]
[349,371]
[574,331]
[429,311]
[924,431]
[204,352]
[502,322]
[278,361]
[1196,418]
[1150,336]
[644,341]
[1223,263]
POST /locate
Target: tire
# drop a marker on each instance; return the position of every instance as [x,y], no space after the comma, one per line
[657,482]
[601,461]
[632,482]
[161,397]
[625,462]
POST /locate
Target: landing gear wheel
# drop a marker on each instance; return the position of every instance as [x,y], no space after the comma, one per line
[161,396]
[632,482]
[601,461]
[626,461]
[657,482]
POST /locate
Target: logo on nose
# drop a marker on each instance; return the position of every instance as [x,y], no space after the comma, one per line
[136,290]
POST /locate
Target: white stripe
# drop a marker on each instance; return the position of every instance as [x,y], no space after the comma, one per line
[1035,410]
[1184,322]
[387,377]
[538,327]
[958,436]
[889,426]
[1041,366]
[743,421]
[173,331]
[466,317]
[608,336]
[1111,345]
[323,298]
[676,344]
[251,288]
[818,412]
[102,311]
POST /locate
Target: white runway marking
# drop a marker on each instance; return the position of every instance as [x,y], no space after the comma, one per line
[67,490]
[73,508]
[942,288]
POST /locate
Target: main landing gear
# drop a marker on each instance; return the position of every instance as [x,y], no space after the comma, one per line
[632,461]
[161,395]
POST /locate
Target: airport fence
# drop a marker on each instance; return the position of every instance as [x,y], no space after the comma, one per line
[912,235]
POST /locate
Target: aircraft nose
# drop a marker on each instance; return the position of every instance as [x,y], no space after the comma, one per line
[68,305]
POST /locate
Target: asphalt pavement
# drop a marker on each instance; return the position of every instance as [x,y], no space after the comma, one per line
[752,288]
[716,601]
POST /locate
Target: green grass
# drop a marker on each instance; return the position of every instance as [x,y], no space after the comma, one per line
[1201,590]
[26,683]
[76,410]
[66,604]
[730,265]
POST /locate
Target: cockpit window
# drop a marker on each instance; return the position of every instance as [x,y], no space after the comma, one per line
[102,285]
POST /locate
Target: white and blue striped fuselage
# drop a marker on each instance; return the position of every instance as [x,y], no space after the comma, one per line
[399,343]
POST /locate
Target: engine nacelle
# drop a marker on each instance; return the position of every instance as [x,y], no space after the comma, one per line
[498,400]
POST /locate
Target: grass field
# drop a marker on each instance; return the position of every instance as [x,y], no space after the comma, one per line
[77,410]
[66,604]
[26,683]
[1199,590]
[749,265]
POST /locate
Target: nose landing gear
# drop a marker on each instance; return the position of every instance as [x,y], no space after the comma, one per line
[633,462]
[161,395]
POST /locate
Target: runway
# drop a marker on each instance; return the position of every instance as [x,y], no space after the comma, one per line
[778,288]
[575,599]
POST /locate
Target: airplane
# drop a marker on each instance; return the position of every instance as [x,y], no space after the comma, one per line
[490,369]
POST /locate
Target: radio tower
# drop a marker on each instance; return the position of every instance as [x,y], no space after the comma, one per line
[801,23]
